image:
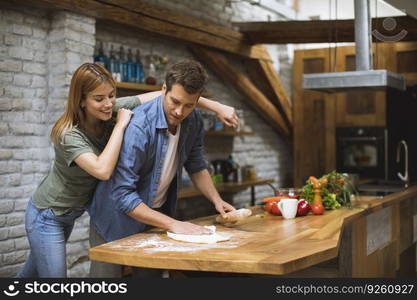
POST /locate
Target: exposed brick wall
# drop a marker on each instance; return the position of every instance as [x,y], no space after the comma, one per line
[24,152]
[38,54]
[71,42]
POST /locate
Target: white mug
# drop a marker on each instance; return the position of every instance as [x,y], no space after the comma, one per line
[288,207]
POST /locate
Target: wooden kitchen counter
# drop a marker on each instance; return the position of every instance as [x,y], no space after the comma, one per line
[267,244]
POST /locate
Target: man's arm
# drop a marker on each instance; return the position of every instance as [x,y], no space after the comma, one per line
[202,181]
[196,166]
[147,215]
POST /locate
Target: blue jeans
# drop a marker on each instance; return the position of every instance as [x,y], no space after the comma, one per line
[47,234]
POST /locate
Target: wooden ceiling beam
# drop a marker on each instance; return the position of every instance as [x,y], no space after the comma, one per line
[161,13]
[244,86]
[129,13]
[323,31]
[264,76]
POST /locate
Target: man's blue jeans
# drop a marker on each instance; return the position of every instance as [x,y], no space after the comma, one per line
[47,234]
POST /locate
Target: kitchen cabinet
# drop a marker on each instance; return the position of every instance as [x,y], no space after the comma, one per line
[316,115]
[314,119]
[365,108]
[370,108]
[405,60]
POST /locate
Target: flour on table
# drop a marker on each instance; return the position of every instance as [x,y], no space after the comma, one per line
[213,238]
[156,243]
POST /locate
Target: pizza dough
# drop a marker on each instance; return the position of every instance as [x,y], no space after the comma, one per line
[234,216]
[201,238]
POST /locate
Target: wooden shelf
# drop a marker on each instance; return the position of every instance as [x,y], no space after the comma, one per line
[138,86]
[190,191]
[144,87]
[229,133]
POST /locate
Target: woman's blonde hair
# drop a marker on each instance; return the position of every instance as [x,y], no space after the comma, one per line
[86,79]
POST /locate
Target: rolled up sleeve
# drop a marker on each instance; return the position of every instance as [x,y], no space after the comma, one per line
[126,175]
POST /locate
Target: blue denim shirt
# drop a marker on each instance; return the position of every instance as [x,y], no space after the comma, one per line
[138,170]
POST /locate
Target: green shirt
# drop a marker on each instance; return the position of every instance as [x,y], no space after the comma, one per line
[67,186]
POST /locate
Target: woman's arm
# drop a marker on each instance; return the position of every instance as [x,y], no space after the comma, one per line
[102,166]
[149,96]
[225,113]
[130,102]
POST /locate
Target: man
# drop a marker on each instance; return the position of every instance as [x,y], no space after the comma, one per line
[163,136]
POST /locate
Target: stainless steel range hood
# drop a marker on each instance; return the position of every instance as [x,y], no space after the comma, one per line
[364,78]
[342,82]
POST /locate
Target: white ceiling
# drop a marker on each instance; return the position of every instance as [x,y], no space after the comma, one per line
[326,9]
[407,6]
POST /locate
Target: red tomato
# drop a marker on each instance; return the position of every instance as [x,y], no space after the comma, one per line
[268,206]
[275,209]
[317,209]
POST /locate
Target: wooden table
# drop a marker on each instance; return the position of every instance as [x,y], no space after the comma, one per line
[267,244]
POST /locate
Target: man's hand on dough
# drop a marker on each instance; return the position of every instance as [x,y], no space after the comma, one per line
[188,228]
[223,207]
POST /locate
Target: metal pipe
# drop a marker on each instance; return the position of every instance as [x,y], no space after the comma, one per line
[363,35]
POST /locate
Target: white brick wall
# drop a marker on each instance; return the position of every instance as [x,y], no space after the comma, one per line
[38,54]
[22,127]
[33,92]
[71,43]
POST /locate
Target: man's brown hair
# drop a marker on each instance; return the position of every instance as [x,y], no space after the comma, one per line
[188,73]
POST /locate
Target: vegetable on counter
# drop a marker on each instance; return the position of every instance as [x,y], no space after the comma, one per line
[275,209]
[272,199]
[336,190]
[303,208]
[272,207]
[317,208]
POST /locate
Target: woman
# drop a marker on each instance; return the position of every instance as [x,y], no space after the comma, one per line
[87,144]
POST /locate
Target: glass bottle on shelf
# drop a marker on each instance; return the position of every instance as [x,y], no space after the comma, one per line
[240,115]
[151,78]
[99,57]
[235,170]
[122,64]
[139,68]
[114,64]
[131,70]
